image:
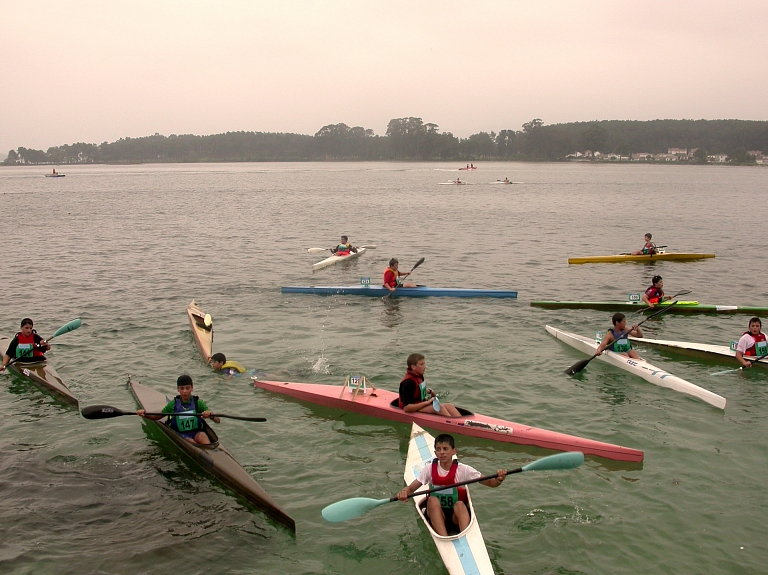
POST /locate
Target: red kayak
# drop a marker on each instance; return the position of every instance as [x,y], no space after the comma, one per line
[382,403]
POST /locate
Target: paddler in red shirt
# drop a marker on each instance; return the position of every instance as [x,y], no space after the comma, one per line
[344,248]
[392,276]
[414,394]
[26,346]
[752,344]
[655,293]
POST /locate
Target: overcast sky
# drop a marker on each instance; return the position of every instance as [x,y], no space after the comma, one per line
[95,71]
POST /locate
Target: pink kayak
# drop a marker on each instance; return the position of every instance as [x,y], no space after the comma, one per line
[382,403]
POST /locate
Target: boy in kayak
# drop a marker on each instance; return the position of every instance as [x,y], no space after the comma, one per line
[414,393]
[448,508]
[655,293]
[190,427]
[752,344]
[392,276]
[344,248]
[220,364]
[616,339]
[648,249]
[26,346]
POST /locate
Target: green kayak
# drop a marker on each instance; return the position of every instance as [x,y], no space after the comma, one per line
[681,307]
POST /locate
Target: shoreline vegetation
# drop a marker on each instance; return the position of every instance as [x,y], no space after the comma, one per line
[740,142]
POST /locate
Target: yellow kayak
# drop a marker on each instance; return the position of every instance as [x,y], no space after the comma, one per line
[641,258]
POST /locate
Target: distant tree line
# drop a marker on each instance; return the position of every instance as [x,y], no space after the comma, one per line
[412,139]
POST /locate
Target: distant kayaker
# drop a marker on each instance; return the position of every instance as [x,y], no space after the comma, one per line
[752,344]
[448,509]
[344,248]
[392,276]
[648,249]
[655,293]
[190,427]
[506,180]
[26,346]
[220,364]
[616,339]
[414,393]
[458,181]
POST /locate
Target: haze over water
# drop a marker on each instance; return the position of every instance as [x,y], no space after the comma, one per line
[126,248]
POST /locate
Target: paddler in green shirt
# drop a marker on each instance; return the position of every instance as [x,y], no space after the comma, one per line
[180,410]
[616,339]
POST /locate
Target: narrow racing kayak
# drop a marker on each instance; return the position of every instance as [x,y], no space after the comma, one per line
[41,374]
[381,403]
[663,256]
[463,553]
[202,330]
[380,290]
[334,259]
[213,458]
[681,307]
[705,350]
[638,367]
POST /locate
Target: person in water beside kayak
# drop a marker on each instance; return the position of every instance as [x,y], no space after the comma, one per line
[616,339]
[414,393]
[448,509]
[344,248]
[752,344]
[392,276]
[26,346]
[655,293]
[190,427]
[220,364]
[648,249]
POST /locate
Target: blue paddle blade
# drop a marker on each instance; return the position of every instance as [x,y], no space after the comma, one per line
[567,460]
[74,324]
[349,508]
[436,405]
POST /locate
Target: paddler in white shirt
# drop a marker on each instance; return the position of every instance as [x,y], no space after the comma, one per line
[752,344]
[616,339]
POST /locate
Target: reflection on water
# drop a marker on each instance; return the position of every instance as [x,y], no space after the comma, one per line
[391,316]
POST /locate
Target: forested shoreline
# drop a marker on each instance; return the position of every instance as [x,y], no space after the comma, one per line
[412,139]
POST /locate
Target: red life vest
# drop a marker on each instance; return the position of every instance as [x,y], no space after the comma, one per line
[390,281]
[752,351]
[654,294]
[343,250]
[27,343]
[448,500]
[417,395]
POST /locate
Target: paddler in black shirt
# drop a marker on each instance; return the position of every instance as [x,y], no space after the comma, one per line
[414,394]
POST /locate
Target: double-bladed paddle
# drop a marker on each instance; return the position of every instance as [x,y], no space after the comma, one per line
[349,508]
[646,308]
[417,264]
[318,250]
[742,367]
[108,412]
[577,367]
[66,328]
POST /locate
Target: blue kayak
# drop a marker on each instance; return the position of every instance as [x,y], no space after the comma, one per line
[418,291]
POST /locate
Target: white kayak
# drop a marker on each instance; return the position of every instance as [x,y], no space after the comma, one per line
[329,261]
[465,552]
[638,367]
[453,183]
[697,349]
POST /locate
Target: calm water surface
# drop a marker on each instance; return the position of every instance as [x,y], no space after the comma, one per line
[126,248]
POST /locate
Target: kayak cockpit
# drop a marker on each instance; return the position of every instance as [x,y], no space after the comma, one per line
[396,404]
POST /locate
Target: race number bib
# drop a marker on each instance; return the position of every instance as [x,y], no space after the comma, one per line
[761,347]
[185,422]
[622,345]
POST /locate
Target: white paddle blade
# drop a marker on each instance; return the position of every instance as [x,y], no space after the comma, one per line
[317,250]
[349,508]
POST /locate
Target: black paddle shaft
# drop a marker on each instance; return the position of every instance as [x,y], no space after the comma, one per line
[108,412]
[443,487]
